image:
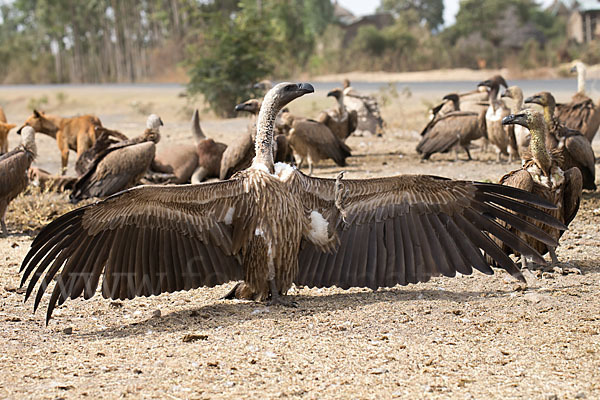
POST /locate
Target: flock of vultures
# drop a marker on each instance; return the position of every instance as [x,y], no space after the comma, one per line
[251,215]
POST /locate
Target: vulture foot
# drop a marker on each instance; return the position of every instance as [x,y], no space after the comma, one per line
[279,299]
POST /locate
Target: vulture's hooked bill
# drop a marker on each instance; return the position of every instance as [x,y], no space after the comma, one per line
[271,226]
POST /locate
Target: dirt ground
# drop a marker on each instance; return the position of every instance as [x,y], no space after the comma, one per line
[473,336]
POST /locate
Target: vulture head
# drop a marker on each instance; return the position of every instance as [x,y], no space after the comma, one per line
[252,106]
[285,92]
[544,99]
[154,122]
[494,82]
[264,85]
[337,93]
[451,97]
[346,83]
[513,92]
[577,66]
[39,123]
[28,139]
[530,119]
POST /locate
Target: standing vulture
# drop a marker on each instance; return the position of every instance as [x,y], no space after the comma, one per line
[575,149]
[542,175]
[313,141]
[367,109]
[120,166]
[581,113]
[521,133]
[503,139]
[454,129]
[272,226]
[13,171]
[339,120]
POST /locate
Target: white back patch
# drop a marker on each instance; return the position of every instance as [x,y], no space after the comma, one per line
[318,228]
[283,171]
[229,216]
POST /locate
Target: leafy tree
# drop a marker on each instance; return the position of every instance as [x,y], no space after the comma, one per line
[426,11]
[231,57]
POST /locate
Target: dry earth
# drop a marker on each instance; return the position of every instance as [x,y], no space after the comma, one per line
[469,337]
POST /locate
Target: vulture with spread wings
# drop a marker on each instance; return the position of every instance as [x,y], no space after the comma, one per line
[270,226]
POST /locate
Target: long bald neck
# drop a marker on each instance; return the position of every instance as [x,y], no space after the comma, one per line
[580,79]
[263,144]
[537,146]
[549,113]
[518,101]
[340,101]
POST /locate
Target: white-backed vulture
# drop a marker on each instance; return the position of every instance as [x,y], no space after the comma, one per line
[13,171]
[48,182]
[454,129]
[503,138]
[475,101]
[120,166]
[271,225]
[581,113]
[575,149]
[369,117]
[312,141]
[521,133]
[104,138]
[339,120]
[542,175]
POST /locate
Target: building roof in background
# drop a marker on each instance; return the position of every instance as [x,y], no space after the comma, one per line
[342,15]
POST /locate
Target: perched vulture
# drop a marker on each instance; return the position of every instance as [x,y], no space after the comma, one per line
[542,175]
[521,133]
[13,171]
[575,149]
[503,138]
[120,166]
[270,226]
[367,109]
[581,114]
[104,139]
[453,130]
[313,141]
[339,120]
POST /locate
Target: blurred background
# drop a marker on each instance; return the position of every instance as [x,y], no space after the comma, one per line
[217,48]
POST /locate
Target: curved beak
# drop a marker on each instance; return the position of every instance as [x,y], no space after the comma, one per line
[573,69]
[515,119]
[485,83]
[19,130]
[240,107]
[306,87]
[533,100]
[332,93]
[506,94]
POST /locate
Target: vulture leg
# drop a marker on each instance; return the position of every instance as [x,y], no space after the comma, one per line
[277,298]
[199,174]
[561,267]
[468,153]
[240,291]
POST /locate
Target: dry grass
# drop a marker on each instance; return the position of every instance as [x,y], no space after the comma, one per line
[468,337]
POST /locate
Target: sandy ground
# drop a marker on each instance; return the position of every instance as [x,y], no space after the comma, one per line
[468,337]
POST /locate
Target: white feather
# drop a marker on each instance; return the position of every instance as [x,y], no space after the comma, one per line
[318,228]
[283,171]
[229,216]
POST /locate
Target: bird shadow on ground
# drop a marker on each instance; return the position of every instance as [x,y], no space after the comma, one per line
[225,313]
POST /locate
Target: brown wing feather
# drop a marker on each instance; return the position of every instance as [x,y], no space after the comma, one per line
[580,114]
[319,138]
[237,156]
[413,228]
[147,240]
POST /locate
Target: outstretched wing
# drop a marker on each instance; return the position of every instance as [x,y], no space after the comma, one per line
[146,240]
[406,229]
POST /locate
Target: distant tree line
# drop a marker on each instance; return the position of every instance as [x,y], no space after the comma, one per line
[226,45]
